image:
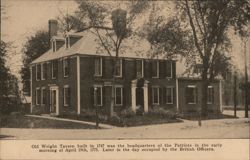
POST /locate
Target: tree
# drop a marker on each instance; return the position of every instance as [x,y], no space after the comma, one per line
[4,72]
[210,23]
[110,25]
[35,46]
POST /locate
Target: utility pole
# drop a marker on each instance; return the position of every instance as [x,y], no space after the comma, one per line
[246,79]
[235,93]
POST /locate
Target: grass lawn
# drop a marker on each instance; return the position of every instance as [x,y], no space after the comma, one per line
[21,121]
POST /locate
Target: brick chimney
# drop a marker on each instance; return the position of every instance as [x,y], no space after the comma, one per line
[53,27]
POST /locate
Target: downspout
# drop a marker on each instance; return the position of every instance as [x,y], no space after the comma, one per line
[78,87]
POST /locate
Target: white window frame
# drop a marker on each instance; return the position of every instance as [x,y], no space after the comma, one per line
[37,98]
[209,87]
[195,99]
[52,70]
[98,75]
[64,61]
[42,71]
[172,94]
[120,68]
[64,96]
[157,70]
[142,69]
[158,98]
[99,86]
[171,70]
[43,89]
[121,87]
[53,46]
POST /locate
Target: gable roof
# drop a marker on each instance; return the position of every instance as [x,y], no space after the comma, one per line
[88,44]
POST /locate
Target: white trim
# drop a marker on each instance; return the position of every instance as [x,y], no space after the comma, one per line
[119,76]
[171,71]
[99,86]
[55,88]
[64,96]
[172,94]
[121,87]
[157,70]
[158,92]
[65,60]
[98,75]
[220,90]
[78,85]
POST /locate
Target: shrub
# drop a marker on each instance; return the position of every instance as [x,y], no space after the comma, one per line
[127,113]
[159,111]
[115,120]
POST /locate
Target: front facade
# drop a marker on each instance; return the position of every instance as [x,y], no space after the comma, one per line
[69,79]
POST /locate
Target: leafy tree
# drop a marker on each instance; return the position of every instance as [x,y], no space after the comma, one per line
[98,17]
[210,23]
[35,46]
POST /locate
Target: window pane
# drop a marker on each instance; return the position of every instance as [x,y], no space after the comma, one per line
[139,68]
[98,66]
[118,68]
[191,95]
[118,96]
[155,95]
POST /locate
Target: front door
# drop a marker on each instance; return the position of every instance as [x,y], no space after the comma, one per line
[54,100]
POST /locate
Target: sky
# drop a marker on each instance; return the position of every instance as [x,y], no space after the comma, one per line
[22,18]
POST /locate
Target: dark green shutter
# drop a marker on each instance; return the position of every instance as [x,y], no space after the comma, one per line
[174,69]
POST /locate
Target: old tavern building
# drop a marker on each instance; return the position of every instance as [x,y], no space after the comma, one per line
[74,76]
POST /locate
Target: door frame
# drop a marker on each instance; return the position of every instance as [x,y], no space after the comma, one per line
[55,88]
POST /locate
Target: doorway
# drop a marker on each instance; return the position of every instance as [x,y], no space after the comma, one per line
[54,99]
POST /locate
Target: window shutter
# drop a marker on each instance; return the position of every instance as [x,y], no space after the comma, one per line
[92,99]
[173,69]
[69,68]
[162,69]
[135,69]
[103,96]
[160,95]
[196,94]
[164,95]
[174,96]
[123,65]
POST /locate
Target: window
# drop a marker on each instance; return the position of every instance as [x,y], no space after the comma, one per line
[66,67]
[118,96]
[66,95]
[43,94]
[98,67]
[210,95]
[155,69]
[38,96]
[54,45]
[155,95]
[139,69]
[169,69]
[118,68]
[54,69]
[67,43]
[44,71]
[98,95]
[38,72]
[170,95]
[191,95]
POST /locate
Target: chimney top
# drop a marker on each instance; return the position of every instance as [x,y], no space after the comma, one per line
[53,27]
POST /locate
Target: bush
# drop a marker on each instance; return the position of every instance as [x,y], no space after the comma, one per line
[159,111]
[115,120]
[127,113]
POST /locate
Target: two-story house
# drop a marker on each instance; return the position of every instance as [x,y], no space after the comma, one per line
[73,76]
